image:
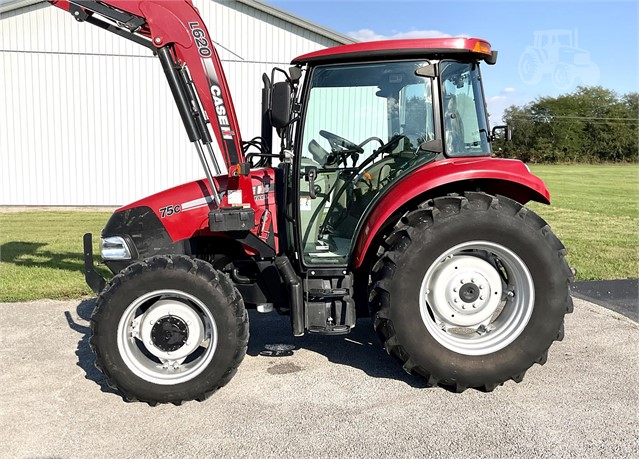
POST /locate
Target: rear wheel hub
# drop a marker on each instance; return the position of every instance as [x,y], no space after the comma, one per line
[477,297]
[469,292]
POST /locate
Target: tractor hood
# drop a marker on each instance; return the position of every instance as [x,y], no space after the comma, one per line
[183,211]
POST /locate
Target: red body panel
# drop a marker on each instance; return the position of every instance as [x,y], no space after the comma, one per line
[191,203]
[511,172]
[397,46]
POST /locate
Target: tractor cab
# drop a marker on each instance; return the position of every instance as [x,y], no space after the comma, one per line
[370,114]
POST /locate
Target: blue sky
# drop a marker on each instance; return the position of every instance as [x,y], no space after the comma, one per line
[605,34]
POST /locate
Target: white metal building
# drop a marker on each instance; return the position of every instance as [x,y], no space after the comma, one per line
[86,117]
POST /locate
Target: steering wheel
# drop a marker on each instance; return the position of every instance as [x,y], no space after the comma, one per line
[333,220]
[385,148]
[341,148]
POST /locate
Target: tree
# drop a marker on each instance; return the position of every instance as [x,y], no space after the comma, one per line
[590,124]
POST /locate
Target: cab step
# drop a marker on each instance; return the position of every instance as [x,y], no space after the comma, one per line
[329,308]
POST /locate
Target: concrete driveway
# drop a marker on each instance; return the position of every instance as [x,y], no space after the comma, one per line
[334,397]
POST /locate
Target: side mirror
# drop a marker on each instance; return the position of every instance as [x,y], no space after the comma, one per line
[508,132]
[280,104]
[428,71]
[433,146]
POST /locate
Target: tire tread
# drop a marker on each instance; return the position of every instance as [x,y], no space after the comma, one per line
[194,267]
[398,243]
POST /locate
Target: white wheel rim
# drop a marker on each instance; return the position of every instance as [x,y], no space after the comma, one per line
[185,354]
[477,298]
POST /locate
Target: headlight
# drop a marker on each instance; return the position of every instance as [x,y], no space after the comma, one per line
[114,248]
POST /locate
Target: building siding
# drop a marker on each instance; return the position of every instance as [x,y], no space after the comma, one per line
[86,117]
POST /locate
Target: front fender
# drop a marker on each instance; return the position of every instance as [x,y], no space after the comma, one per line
[508,177]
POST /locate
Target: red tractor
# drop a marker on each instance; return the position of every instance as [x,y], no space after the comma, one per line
[385,199]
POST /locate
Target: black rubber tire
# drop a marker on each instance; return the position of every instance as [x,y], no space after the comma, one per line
[425,233]
[195,277]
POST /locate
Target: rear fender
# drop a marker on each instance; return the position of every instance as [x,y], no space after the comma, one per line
[507,177]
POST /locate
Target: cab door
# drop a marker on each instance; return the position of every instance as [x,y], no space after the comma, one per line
[345,158]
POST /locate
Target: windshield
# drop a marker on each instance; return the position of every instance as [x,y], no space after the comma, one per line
[362,130]
[465,124]
[370,100]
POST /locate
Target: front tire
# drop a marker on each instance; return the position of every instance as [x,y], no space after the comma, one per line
[169,329]
[470,291]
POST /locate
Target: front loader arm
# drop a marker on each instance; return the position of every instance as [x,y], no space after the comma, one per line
[177,34]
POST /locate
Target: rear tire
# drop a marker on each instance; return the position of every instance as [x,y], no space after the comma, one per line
[169,329]
[428,296]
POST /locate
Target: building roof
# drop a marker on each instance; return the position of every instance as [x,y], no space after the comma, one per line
[296,20]
[11,5]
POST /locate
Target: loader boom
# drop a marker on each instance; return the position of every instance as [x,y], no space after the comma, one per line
[175,31]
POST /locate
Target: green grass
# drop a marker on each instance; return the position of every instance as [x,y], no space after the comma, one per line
[41,253]
[594,212]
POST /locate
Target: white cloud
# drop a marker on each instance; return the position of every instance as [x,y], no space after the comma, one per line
[496,98]
[507,90]
[371,35]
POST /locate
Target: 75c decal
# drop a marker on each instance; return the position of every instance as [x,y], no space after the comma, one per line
[170,210]
[200,39]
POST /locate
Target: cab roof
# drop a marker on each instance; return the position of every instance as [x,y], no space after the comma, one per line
[433,48]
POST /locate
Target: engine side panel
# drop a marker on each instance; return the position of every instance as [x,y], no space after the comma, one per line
[183,211]
[176,221]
